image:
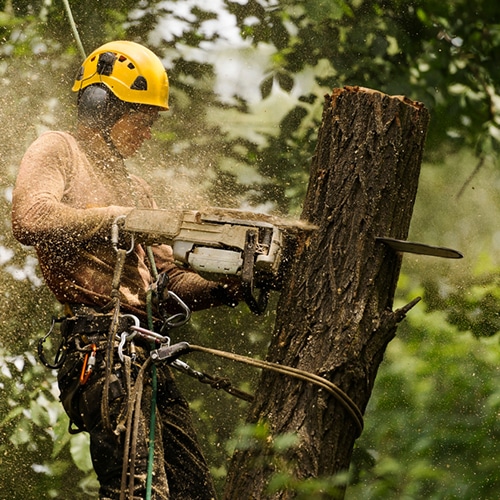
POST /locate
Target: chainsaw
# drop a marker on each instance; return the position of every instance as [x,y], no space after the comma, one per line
[223,242]
[254,247]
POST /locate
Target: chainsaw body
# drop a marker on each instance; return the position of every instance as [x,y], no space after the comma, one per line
[218,242]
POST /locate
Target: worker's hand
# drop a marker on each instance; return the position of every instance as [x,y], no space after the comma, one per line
[115,212]
[228,291]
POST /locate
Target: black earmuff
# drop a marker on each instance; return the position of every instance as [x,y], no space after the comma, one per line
[99,108]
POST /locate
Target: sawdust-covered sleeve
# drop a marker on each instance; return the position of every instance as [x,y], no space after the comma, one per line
[47,206]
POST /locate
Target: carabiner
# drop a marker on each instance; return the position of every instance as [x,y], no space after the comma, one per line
[115,236]
[88,364]
[150,335]
[61,350]
[126,336]
[181,318]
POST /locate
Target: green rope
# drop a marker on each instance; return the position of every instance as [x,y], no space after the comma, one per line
[74,28]
[154,382]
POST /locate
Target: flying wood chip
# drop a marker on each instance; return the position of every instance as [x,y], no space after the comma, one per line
[420,248]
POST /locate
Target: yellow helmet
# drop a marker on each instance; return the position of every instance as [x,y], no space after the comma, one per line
[131,71]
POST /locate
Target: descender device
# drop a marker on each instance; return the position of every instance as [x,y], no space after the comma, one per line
[251,246]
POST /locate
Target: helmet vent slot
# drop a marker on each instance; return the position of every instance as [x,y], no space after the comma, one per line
[140,83]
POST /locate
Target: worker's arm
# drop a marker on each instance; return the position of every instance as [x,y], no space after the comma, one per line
[196,291]
[39,213]
[200,293]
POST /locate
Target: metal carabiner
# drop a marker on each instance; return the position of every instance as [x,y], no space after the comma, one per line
[61,350]
[178,319]
[88,364]
[150,335]
[121,345]
[126,336]
[115,234]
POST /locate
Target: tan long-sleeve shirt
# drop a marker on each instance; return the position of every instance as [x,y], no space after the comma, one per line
[66,197]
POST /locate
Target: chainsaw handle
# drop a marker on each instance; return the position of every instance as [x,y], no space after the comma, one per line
[256,305]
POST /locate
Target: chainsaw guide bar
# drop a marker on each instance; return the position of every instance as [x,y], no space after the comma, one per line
[420,248]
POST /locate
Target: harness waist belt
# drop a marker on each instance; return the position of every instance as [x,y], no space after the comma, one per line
[91,324]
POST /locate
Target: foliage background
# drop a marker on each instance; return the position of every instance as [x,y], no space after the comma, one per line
[248,79]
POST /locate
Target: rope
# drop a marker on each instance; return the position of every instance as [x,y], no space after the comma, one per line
[333,389]
[128,426]
[74,28]
[132,433]
[113,330]
[138,389]
[154,380]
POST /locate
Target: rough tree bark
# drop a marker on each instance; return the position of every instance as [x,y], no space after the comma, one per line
[334,316]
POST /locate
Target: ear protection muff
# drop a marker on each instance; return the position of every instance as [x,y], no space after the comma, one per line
[98,108]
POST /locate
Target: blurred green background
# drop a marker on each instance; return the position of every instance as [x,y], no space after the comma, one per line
[247,85]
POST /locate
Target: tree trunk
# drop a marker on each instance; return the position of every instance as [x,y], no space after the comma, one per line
[335,317]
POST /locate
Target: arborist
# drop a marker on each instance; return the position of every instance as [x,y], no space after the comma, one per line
[71,191]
